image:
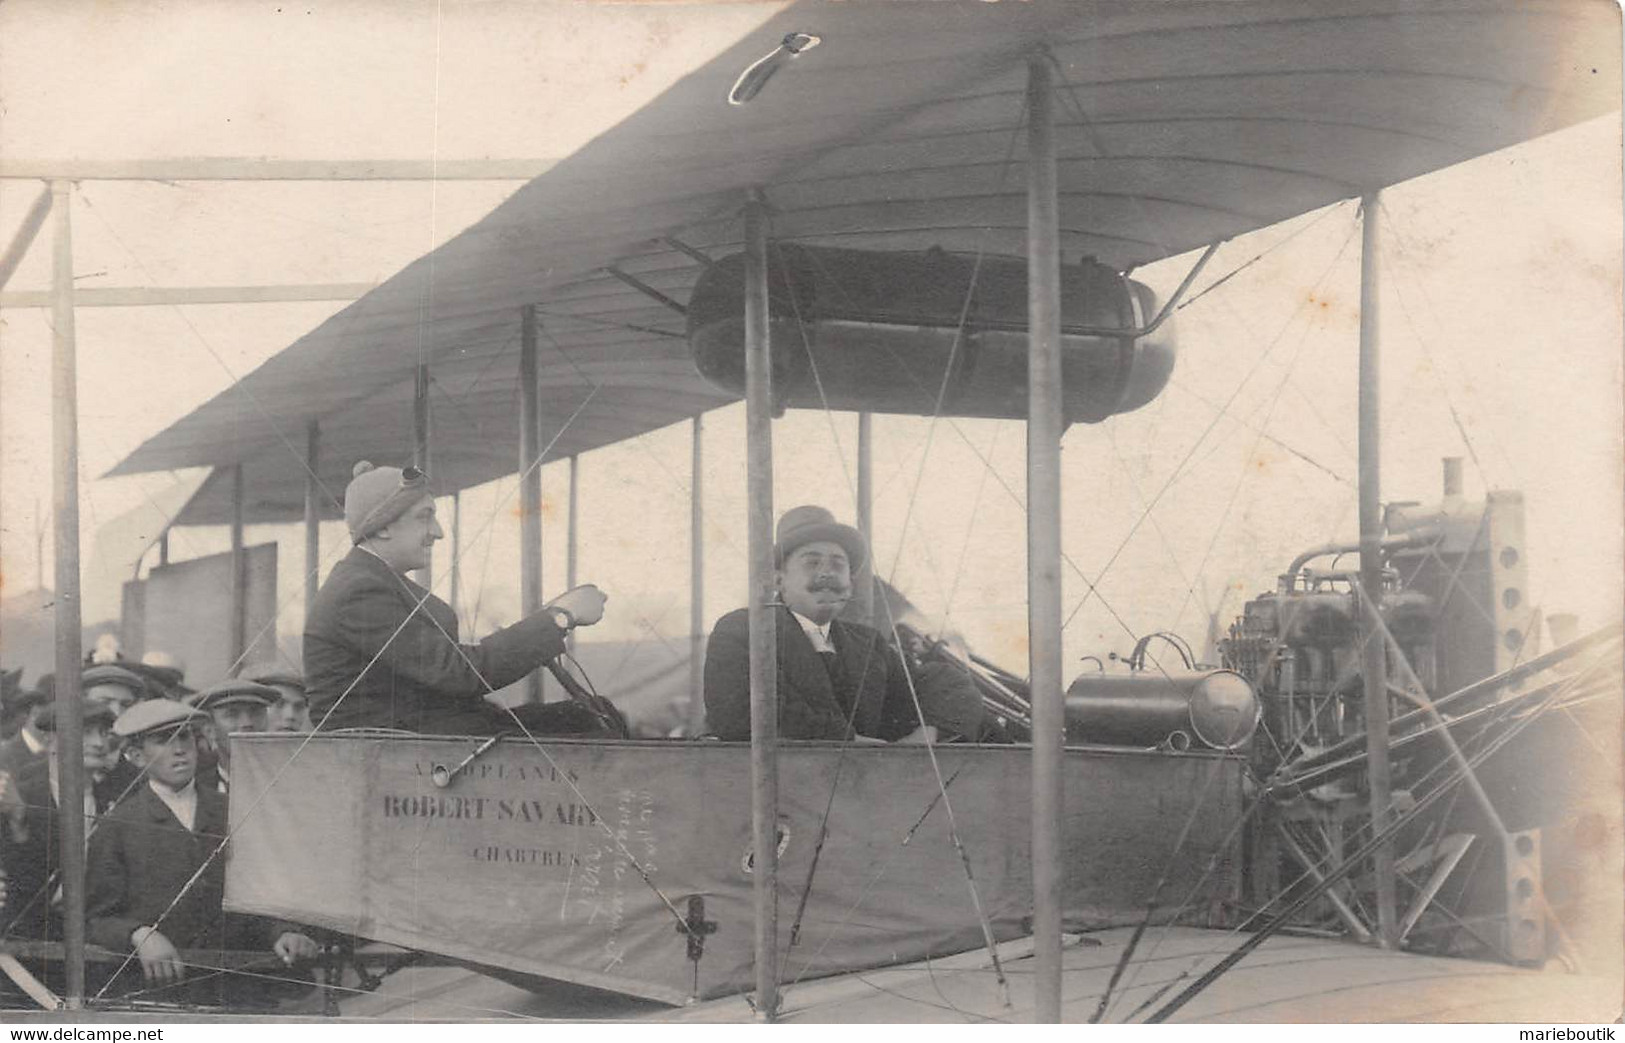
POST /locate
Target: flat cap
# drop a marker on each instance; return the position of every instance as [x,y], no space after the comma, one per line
[151,715]
[281,679]
[107,673]
[231,691]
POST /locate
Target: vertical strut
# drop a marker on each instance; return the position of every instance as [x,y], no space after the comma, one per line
[239,571]
[530,482]
[421,458]
[696,579]
[65,502]
[1374,666]
[862,606]
[1044,535]
[764,674]
[313,512]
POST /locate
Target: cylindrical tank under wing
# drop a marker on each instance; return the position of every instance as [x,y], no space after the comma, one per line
[927,333]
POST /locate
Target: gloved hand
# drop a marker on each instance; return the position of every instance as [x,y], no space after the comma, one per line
[584,603]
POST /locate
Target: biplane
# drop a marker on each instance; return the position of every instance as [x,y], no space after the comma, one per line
[946,211]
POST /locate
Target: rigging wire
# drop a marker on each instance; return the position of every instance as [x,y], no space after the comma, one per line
[948,369]
[1180,467]
[343,695]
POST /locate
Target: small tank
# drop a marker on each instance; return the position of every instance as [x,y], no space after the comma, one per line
[876,332]
[1216,709]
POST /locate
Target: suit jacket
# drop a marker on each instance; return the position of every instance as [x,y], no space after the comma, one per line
[872,691]
[30,854]
[140,859]
[15,756]
[420,681]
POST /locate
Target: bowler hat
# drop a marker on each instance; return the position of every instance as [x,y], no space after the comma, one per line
[155,715]
[800,526]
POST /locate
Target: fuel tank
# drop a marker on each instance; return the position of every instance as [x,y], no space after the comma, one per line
[877,332]
[1212,708]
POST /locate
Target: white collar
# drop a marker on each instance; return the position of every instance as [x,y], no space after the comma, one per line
[817,633]
[34,742]
[183,802]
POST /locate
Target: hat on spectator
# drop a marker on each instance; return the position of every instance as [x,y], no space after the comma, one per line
[155,715]
[233,691]
[281,679]
[89,713]
[107,673]
[377,496]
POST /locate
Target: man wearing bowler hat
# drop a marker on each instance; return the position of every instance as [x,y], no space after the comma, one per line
[837,679]
[382,652]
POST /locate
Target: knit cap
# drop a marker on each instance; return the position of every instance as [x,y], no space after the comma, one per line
[378,495]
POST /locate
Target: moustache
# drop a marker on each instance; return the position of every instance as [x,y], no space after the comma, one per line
[834,586]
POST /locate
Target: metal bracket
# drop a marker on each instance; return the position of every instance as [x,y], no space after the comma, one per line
[695,926]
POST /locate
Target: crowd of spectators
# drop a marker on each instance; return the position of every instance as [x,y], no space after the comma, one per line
[157,774]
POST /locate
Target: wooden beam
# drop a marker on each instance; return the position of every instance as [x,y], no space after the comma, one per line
[235,168]
[144,296]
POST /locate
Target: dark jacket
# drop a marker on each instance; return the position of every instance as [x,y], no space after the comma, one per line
[140,859]
[421,680]
[30,854]
[868,685]
[15,756]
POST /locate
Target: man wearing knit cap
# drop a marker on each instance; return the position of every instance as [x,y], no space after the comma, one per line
[382,652]
[837,679]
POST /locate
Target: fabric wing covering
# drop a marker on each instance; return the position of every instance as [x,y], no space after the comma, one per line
[1177,125]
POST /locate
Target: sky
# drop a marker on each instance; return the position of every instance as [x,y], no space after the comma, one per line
[1500,327]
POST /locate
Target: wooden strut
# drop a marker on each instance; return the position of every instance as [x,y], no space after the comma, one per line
[65,503]
[1044,428]
[530,481]
[764,698]
[1374,666]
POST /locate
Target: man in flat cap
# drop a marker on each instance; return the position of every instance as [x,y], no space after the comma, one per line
[233,705]
[116,687]
[291,711]
[155,881]
[837,679]
[30,837]
[382,652]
